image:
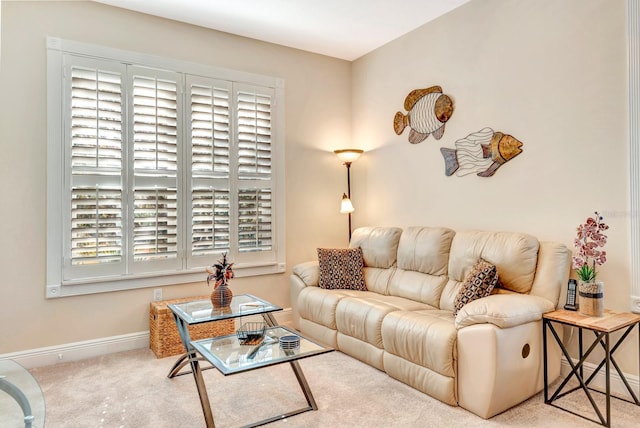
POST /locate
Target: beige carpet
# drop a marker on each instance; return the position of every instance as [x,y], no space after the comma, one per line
[130,389]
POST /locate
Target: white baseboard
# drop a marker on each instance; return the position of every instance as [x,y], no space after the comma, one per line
[79,350]
[93,348]
[618,388]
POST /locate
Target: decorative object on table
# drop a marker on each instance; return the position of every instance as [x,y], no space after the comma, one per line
[590,237]
[221,272]
[427,112]
[481,152]
[251,333]
[572,298]
[289,342]
[348,156]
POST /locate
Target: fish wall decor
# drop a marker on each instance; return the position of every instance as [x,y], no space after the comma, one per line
[481,152]
[427,112]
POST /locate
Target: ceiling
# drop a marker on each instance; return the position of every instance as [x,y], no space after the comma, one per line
[345,29]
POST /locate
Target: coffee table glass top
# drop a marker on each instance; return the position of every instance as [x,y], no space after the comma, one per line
[230,357]
[203,311]
[21,400]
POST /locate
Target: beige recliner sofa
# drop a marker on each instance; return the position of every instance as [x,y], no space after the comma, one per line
[487,358]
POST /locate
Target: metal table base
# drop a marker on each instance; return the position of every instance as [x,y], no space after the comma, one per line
[193,360]
[604,340]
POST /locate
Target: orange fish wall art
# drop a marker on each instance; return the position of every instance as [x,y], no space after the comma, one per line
[427,112]
[481,152]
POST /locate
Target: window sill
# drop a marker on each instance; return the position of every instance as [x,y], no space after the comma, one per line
[105,285]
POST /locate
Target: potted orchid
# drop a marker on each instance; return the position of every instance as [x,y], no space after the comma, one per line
[221,273]
[590,238]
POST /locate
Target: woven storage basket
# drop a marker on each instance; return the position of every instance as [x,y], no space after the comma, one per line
[164,339]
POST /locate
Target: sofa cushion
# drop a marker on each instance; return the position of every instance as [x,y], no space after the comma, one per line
[319,305]
[417,286]
[379,245]
[425,249]
[424,337]
[361,317]
[515,256]
[341,268]
[478,284]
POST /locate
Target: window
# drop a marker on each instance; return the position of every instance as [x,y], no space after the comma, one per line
[156,167]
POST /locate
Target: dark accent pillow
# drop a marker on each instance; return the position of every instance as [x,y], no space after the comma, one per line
[341,268]
[478,283]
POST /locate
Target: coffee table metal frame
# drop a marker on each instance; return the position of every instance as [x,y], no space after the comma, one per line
[183,320]
[201,311]
[601,327]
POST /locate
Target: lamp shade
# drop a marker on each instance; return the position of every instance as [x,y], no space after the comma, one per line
[348,155]
[346,206]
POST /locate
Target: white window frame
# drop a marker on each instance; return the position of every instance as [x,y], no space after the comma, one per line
[57,193]
[633,37]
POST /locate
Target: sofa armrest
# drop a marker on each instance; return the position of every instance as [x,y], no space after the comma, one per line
[503,310]
[303,275]
[309,272]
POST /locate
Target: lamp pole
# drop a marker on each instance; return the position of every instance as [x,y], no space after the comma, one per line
[348,156]
[348,165]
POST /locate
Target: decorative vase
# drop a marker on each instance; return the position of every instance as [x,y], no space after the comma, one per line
[591,298]
[221,296]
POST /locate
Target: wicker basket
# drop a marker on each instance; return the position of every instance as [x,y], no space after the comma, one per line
[164,339]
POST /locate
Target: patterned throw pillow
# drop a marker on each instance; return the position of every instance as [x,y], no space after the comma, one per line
[341,268]
[478,283]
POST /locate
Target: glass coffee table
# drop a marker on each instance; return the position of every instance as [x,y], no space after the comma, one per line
[229,356]
[201,311]
[21,399]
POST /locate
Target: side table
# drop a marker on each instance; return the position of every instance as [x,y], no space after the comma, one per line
[602,327]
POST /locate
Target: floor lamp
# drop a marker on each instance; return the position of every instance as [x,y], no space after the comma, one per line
[348,156]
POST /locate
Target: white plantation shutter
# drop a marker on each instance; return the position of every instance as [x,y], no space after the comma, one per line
[155,167]
[210,221]
[156,126]
[96,120]
[155,223]
[254,220]
[254,194]
[254,135]
[94,107]
[210,127]
[210,134]
[96,225]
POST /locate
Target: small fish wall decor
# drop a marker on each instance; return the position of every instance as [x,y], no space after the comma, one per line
[481,152]
[427,112]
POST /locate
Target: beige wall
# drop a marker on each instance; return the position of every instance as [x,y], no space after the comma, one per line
[551,73]
[318,120]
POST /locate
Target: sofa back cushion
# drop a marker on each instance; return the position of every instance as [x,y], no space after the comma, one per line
[417,286]
[425,249]
[379,249]
[379,245]
[515,256]
[423,257]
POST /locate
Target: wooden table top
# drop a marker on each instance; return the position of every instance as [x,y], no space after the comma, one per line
[609,322]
